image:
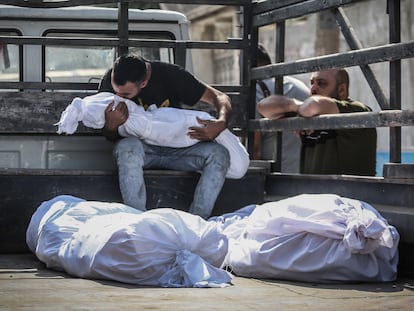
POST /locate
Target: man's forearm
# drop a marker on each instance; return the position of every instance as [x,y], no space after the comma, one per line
[277,106]
[316,105]
[224,108]
[111,135]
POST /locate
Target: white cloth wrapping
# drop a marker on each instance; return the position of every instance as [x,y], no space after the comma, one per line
[156,126]
[313,238]
[97,240]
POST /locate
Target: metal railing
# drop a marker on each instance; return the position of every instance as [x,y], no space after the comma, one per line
[277,12]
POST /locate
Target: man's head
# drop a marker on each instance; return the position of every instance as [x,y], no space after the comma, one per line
[129,75]
[331,83]
[263,57]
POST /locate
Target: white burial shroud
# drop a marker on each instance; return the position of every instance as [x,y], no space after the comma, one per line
[313,238]
[156,126]
[99,240]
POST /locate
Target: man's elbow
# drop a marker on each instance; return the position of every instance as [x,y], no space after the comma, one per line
[262,109]
[227,100]
[268,109]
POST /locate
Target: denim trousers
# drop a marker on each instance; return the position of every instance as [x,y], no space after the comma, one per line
[211,159]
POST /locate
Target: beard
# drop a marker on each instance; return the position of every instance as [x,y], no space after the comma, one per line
[335,93]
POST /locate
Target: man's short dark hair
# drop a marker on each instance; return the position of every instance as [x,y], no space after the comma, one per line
[130,68]
[263,57]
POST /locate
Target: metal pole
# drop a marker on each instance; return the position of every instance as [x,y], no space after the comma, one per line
[394,11]
[123,28]
[279,57]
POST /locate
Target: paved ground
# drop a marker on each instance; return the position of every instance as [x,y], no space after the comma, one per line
[25,284]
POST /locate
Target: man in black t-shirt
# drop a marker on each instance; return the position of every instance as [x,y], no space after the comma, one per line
[165,85]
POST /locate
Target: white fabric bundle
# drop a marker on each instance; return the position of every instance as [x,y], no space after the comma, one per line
[97,240]
[314,238]
[156,126]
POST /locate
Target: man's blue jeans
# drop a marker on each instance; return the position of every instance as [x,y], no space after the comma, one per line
[209,158]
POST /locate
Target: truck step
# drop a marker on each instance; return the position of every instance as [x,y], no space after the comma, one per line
[23,190]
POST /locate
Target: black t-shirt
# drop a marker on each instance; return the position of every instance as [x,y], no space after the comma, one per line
[169,86]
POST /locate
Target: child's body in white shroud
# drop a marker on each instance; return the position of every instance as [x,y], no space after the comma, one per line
[156,126]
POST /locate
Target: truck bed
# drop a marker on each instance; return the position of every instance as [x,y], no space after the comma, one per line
[26,284]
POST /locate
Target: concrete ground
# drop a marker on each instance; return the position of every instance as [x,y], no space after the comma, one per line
[25,284]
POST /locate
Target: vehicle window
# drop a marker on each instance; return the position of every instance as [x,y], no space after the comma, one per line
[88,64]
[9,59]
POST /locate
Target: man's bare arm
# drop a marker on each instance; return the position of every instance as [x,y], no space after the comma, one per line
[210,129]
[316,105]
[276,106]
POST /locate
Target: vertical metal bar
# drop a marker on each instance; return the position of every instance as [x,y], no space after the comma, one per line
[279,57]
[251,36]
[123,28]
[280,52]
[181,53]
[246,54]
[354,43]
[394,11]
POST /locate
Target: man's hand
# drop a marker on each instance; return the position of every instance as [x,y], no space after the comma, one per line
[114,117]
[208,129]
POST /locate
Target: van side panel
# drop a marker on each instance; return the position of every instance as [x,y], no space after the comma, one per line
[76,152]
